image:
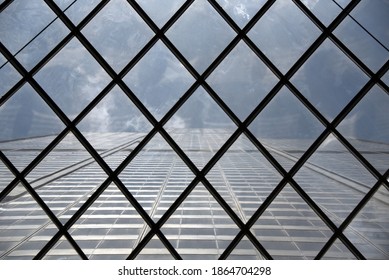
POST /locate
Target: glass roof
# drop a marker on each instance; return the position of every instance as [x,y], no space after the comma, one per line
[164,129]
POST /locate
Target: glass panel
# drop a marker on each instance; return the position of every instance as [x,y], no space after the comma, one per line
[245,250]
[385,78]
[362,44]
[283,34]
[156,177]
[80,9]
[21,21]
[118,33]
[366,127]
[65,177]
[22,224]
[200,41]
[241,11]
[110,228]
[42,45]
[72,78]
[290,229]
[242,80]
[288,135]
[244,178]
[114,127]
[8,76]
[369,231]
[63,4]
[5,176]
[329,80]
[160,11]
[200,127]
[28,126]
[373,15]
[334,179]
[338,251]
[154,250]
[62,250]
[159,80]
[326,11]
[199,228]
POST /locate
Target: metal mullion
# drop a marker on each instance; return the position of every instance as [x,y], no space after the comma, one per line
[168,245]
[310,14]
[352,215]
[5,4]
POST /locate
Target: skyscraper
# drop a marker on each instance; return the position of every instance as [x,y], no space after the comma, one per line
[194,129]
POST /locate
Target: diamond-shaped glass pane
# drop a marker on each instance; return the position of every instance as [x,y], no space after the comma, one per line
[288,135]
[334,179]
[110,228]
[27,126]
[160,11]
[244,177]
[366,128]
[72,78]
[80,9]
[245,250]
[159,80]
[283,34]
[5,176]
[22,21]
[241,11]
[62,250]
[118,33]
[200,228]
[22,225]
[154,250]
[156,177]
[362,44]
[329,80]
[114,127]
[200,41]
[200,127]
[369,231]
[242,80]
[290,229]
[338,251]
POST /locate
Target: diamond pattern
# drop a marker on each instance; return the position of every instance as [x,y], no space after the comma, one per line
[335,172]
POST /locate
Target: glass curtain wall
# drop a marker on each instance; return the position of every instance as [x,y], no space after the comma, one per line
[199,129]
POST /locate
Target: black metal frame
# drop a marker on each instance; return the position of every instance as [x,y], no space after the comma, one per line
[158,126]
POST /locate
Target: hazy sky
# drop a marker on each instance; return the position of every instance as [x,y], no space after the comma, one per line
[329,79]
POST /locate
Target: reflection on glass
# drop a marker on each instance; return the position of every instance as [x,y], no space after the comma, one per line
[80,9]
[156,177]
[159,80]
[329,80]
[286,128]
[362,44]
[290,229]
[72,78]
[245,250]
[118,33]
[367,128]
[200,41]
[334,179]
[241,11]
[110,228]
[8,76]
[200,228]
[42,45]
[374,16]
[385,78]
[26,117]
[369,231]
[154,250]
[244,178]
[326,11]
[160,11]
[338,251]
[114,127]
[200,127]
[21,21]
[62,250]
[242,80]
[21,232]
[283,34]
